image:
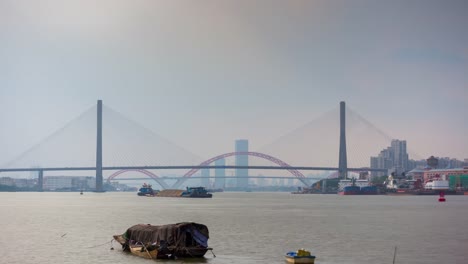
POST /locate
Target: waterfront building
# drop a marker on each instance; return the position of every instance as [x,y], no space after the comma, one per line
[7,181]
[53,183]
[25,183]
[219,173]
[394,158]
[19,183]
[430,174]
[242,145]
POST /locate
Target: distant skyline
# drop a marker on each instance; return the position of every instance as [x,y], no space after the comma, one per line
[205,73]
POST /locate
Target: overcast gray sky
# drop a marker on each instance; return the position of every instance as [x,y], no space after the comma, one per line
[204,73]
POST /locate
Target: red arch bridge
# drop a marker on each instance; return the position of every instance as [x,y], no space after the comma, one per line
[206,165]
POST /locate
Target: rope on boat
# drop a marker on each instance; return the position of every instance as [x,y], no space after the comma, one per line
[144,246]
[214,256]
[104,244]
[147,251]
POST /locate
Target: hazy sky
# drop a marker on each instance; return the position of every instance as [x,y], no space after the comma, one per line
[204,73]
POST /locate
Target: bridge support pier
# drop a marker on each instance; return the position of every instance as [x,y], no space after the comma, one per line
[40,181]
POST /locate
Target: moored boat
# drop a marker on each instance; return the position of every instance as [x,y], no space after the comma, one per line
[350,190]
[300,256]
[181,240]
[147,190]
[369,190]
[357,187]
[196,192]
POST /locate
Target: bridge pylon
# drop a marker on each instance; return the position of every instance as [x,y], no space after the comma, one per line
[99,181]
[343,161]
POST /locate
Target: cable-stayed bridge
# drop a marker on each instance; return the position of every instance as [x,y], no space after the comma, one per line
[119,145]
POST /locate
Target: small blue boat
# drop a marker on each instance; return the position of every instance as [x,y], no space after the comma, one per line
[147,190]
[300,256]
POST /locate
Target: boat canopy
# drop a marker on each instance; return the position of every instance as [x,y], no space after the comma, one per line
[179,235]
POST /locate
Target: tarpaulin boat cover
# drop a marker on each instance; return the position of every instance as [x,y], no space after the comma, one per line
[180,234]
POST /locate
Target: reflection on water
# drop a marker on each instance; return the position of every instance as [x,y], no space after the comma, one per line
[244,227]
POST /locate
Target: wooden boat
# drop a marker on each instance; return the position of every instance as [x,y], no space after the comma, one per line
[144,252]
[181,240]
[300,256]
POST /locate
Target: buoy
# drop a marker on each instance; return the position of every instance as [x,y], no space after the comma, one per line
[441,196]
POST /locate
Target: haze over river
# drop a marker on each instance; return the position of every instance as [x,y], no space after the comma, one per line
[244,227]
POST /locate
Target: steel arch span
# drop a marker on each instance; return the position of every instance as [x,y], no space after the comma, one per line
[145,172]
[277,161]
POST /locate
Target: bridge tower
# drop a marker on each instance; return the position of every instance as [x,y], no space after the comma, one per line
[99,148]
[343,161]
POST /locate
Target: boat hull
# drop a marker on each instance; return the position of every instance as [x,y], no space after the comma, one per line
[350,190]
[402,192]
[141,251]
[209,195]
[146,190]
[348,193]
[306,259]
[191,252]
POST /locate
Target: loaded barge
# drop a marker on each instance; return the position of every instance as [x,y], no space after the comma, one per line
[189,192]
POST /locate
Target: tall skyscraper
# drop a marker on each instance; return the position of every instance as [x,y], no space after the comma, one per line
[242,145]
[205,182]
[400,156]
[220,183]
[394,158]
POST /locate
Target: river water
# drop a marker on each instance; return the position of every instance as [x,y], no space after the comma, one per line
[244,227]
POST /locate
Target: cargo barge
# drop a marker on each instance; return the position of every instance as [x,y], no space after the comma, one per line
[190,192]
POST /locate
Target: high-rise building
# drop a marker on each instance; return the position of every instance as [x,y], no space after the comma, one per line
[219,173]
[433,162]
[393,158]
[242,145]
[205,182]
[400,156]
